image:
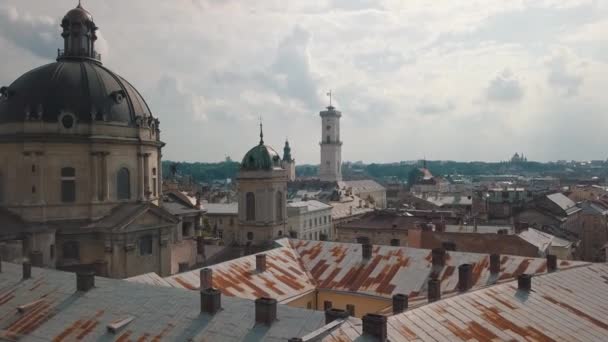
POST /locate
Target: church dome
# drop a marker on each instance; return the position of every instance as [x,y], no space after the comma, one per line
[77,84]
[261,157]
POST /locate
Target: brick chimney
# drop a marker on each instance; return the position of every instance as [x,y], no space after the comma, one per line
[333,314]
[524,282]
[85,281]
[494,263]
[438,256]
[551,263]
[374,325]
[260,263]
[206,276]
[366,251]
[465,277]
[400,302]
[265,310]
[433,290]
[27,269]
[211,300]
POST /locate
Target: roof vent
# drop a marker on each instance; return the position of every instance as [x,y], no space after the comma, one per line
[434,290]
[524,282]
[211,300]
[551,262]
[333,314]
[465,277]
[438,255]
[375,325]
[400,302]
[85,281]
[265,310]
[206,276]
[494,263]
[115,326]
[366,251]
[260,263]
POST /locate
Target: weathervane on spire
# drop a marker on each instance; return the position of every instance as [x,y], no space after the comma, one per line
[329,94]
[261,132]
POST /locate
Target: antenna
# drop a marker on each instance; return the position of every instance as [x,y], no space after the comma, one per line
[261,132]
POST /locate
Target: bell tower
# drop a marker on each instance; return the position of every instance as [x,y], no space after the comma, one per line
[330,169]
[79,35]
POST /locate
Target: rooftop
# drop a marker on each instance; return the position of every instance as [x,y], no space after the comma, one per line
[222,208]
[52,310]
[310,205]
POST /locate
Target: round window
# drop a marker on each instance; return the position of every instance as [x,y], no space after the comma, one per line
[67,121]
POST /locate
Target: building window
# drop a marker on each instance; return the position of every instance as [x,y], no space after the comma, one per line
[250,236]
[123,184]
[324,219]
[220,234]
[250,206]
[52,251]
[220,221]
[279,206]
[186,229]
[328,139]
[280,233]
[145,245]
[310,223]
[33,168]
[231,222]
[395,242]
[68,185]
[154,183]
[316,224]
[71,250]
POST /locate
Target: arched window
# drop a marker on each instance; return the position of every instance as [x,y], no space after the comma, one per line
[328,139]
[68,185]
[250,206]
[249,235]
[279,206]
[123,184]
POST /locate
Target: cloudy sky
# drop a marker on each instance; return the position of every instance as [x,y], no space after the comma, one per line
[458,80]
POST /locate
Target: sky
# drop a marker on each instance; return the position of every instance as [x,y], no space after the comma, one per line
[450,80]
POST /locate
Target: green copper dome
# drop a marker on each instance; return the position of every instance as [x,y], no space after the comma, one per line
[261,157]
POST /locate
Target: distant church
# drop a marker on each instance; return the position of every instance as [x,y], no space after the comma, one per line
[517,158]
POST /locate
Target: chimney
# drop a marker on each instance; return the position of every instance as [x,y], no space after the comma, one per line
[400,302]
[326,305]
[524,282]
[366,251]
[211,300]
[551,262]
[434,290]
[374,325]
[465,277]
[494,263]
[260,262]
[206,276]
[36,258]
[265,310]
[27,270]
[85,281]
[334,314]
[438,256]
[295,339]
[350,308]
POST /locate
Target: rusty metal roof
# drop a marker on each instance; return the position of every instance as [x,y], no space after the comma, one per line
[391,270]
[54,311]
[284,278]
[562,306]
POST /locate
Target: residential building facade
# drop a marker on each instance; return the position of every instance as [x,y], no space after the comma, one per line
[309,220]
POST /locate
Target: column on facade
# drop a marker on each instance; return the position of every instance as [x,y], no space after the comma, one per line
[140,177]
[94,177]
[159,174]
[147,189]
[105,176]
[41,168]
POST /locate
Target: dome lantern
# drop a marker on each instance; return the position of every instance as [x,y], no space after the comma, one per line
[79,35]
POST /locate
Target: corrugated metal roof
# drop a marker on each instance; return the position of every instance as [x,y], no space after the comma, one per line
[359,186]
[391,270]
[562,306]
[150,279]
[284,278]
[542,240]
[57,312]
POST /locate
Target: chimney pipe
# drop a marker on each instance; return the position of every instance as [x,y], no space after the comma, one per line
[366,250]
[85,281]
[524,282]
[551,262]
[27,270]
[434,290]
[400,302]
[334,314]
[260,262]
[265,310]
[465,277]
[375,325]
[211,300]
[206,276]
[494,263]
[438,255]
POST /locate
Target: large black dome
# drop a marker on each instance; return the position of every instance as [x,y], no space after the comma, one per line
[79,86]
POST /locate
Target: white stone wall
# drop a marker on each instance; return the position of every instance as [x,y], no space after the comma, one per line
[330,169]
[310,224]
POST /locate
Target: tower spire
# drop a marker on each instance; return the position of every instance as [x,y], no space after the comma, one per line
[261,132]
[330,95]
